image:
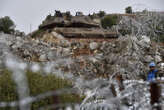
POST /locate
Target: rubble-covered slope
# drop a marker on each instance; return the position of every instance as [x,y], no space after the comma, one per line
[92,58]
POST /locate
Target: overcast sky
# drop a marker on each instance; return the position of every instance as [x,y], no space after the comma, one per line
[26,12]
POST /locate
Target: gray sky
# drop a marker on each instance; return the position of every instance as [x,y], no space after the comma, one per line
[26,12]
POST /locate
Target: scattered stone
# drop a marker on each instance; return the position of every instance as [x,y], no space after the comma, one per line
[66,51]
[162,65]
[148,59]
[158,58]
[58,36]
[51,55]
[144,41]
[93,45]
[43,57]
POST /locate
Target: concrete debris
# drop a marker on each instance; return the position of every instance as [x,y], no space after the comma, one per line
[158,58]
[149,24]
[59,36]
[90,57]
[144,41]
[43,57]
[148,58]
[93,45]
[162,65]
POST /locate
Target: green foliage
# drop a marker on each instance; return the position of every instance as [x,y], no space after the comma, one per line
[7,89]
[109,21]
[101,14]
[38,84]
[6,25]
[128,10]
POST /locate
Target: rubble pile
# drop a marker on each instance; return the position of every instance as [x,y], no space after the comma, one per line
[144,23]
[92,58]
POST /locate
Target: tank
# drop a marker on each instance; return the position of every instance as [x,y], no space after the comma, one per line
[78,26]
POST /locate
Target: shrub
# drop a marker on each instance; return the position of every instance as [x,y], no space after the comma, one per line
[6,25]
[128,10]
[109,21]
[101,14]
[38,84]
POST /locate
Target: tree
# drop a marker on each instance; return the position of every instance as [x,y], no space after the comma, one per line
[109,21]
[128,10]
[7,25]
[101,14]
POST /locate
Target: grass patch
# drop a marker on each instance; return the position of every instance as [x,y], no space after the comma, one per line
[38,84]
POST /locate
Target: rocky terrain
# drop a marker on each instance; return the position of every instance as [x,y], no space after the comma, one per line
[127,55]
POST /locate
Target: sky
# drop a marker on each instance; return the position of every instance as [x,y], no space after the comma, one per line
[32,12]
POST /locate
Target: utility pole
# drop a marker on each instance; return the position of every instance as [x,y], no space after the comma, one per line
[30,29]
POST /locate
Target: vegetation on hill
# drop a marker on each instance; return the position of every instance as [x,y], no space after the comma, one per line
[101,14]
[128,10]
[6,25]
[108,21]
